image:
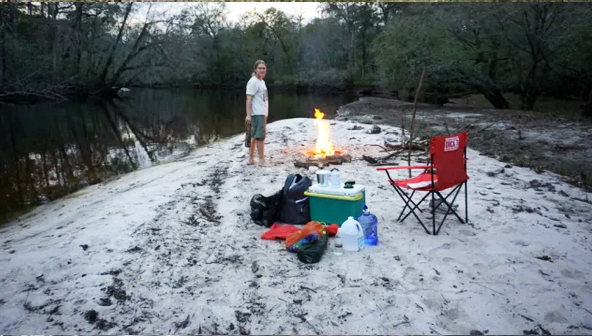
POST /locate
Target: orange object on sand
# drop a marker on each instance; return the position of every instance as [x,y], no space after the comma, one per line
[309,228]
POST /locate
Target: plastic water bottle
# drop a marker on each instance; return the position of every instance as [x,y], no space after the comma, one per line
[369,224]
[338,245]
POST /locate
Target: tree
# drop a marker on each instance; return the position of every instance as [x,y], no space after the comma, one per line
[54,49]
[346,13]
[277,30]
[485,60]
[541,35]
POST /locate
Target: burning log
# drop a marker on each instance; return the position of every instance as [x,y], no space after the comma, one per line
[323,161]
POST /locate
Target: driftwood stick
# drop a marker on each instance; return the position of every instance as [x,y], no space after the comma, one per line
[464,127]
[582,200]
[390,155]
[416,147]
[484,128]
[384,148]
[388,147]
[411,131]
[369,159]
[412,147]
[378,164]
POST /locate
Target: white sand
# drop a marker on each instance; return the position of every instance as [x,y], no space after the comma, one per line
[217,276]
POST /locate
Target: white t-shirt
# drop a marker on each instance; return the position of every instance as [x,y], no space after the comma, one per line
[260,104]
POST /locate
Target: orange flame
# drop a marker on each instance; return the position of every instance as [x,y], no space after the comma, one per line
[323,145]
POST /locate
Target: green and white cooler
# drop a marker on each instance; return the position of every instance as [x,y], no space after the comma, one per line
[332,205]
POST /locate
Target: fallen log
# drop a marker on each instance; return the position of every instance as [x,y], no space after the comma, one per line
[378,164]
[369,159]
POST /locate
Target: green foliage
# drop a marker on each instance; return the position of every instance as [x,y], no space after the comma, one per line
[488,48]
[526,48]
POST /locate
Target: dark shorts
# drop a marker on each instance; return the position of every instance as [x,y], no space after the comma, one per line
[258,127]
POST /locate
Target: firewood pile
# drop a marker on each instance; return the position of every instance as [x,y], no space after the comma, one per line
[322,162]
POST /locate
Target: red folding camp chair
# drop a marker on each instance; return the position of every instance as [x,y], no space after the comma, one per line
[446,168]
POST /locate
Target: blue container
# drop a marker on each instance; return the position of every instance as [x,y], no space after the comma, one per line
[369,224]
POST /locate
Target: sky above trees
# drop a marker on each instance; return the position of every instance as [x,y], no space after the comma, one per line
[235,10]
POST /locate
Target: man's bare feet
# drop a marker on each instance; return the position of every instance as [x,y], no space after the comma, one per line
[250,163]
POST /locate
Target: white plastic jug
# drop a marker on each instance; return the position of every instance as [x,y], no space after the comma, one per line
[352,235]
[335,178]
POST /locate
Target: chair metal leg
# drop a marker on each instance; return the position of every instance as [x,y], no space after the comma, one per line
[456,190]
[449,194]
[409,203]
[416,206]
[433,215]
[449,205]
[404,195]
[450,210]
[466,203]
[407,199]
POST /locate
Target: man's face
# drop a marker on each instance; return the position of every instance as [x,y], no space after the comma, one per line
[261,70]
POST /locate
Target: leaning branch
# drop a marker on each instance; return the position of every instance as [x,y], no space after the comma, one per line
[114,48]
[411,130]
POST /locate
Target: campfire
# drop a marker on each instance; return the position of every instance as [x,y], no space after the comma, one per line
[323,153]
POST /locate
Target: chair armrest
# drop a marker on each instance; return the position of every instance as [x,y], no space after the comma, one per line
[403,167]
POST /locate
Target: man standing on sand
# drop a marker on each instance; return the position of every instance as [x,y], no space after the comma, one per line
[257,110]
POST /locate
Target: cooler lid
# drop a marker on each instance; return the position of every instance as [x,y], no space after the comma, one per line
[316,188]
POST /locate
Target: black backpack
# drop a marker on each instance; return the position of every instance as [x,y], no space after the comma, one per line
[295,205]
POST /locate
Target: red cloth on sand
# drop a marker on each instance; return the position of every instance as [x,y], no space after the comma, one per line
[332,229]
[283,231]
[279,231]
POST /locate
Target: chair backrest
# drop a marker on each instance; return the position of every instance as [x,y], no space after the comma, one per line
[448,154]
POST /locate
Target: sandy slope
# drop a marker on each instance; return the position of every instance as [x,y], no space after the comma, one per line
[171,249]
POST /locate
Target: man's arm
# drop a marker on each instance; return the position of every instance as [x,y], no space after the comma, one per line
[249,107]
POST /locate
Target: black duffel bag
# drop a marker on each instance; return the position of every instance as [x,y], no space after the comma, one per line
[266,210]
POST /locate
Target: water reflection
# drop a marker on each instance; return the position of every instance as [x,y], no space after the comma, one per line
[48,151]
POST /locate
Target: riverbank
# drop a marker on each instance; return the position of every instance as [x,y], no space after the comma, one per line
[24,98]
[555,142]
[171,250]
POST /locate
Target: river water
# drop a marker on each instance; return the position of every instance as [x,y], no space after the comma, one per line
[50,150]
